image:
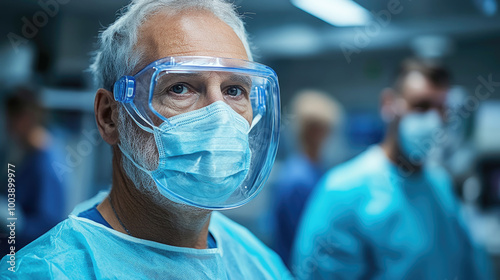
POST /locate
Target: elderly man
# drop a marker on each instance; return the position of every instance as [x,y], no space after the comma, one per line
[193,125]
[389,213]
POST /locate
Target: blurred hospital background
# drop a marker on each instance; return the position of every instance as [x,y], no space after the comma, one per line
[347,55]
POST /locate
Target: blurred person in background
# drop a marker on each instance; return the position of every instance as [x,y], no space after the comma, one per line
[193,124]
[315,115]
[40,195]
[389,213]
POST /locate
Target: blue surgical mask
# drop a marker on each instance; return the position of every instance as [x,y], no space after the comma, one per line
[204,155]
[418,134]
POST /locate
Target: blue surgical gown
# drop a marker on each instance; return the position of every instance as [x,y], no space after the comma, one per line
[79,248]
[369,219]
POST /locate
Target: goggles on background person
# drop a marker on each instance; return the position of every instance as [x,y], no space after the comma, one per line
[209,157]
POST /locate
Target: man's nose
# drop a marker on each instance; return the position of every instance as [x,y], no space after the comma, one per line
[213,94]
[213,89]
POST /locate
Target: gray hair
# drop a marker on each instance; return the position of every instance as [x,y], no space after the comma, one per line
[116,55]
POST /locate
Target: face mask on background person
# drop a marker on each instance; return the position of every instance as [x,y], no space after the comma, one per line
[417,134]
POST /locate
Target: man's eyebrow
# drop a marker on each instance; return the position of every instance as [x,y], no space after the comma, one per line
[181,75]
[243,79]
[166,77]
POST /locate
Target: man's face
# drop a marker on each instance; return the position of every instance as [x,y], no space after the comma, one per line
[420,95]
[419,114]
[190,33]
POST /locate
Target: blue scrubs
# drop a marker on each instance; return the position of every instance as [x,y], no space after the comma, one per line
[295,182]
[79,248]
[370,220]
[40,194]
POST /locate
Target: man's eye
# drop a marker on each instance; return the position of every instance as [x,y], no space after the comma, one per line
[179,89]
[234,91]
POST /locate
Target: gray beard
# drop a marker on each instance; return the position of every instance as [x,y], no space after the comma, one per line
[141,146]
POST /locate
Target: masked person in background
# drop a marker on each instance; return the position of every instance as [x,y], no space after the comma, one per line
[315,116]
[389,213]
[193,125]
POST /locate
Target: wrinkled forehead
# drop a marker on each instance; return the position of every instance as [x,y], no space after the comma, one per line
[193,32]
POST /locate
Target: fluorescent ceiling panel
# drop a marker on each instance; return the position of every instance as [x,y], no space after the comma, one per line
[335,12]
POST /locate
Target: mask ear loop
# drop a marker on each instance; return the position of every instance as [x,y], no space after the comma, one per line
[133,161]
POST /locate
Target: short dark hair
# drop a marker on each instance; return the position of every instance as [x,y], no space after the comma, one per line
[22,100]
[433,71]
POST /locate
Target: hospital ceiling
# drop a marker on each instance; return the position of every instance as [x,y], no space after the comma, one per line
[280,29]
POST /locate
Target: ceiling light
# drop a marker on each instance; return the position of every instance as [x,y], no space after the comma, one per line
[335,12]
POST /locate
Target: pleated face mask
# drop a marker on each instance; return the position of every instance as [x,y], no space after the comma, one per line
[416,131]
[215,122]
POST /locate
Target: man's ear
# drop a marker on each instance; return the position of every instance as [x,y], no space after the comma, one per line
[106,115]
[388,105]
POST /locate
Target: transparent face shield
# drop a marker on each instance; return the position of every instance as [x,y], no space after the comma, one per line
[215,123]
